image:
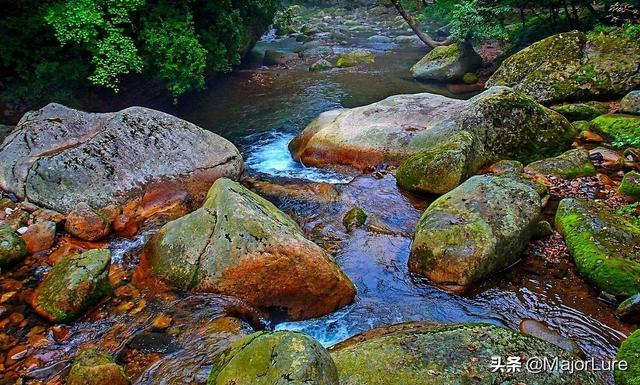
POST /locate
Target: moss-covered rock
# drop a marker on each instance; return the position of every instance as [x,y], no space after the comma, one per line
[604,245]
[320,65]
[74,284]
[441,167]
[356,217]
[240,244]
[446,63]
[470,78]
[573,66]
[581,111]
[12,246]
[91,367]
[355,57]
[456,136]
[282,357]
[452,354]
[630,184]
[506,167]
[630,104]
[571,164]
[623,130]
[630,352]
[481,226]
[629,309]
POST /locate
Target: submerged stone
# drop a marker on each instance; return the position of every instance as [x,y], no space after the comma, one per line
[480,227]
[571,164]
[447,63]
[281,357]
[12,247]
[573,66]
[629,309]
[451,354]
[240,244]
[91,367]
[356,217]
[540,330]
[605,245]
[74,284]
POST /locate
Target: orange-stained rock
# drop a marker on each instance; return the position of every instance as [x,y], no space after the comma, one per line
[40,236]
[240,244]
[85,223]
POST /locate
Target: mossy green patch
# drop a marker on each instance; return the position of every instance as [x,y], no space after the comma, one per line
[569,165]
[91,367]
[630,184]
[12,246]
[74,284]
[452,354]
[603,244]
[629,352]
[354,58]
[442,166]
[581,111]
[282,357]
[624,130]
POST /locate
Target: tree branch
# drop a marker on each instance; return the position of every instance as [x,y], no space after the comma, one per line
[426,39]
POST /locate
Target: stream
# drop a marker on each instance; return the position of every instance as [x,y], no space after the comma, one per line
[260,110]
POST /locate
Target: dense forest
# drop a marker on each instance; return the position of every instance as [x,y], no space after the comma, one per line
[53,49]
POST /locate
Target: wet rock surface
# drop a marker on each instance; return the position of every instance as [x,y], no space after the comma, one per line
[443,354]
[240,244]
[478,228]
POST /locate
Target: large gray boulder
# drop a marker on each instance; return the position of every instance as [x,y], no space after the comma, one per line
[630,104]
[447,63]
[139,160]
[499,124]
[573,66]
[240,244]
[478,228]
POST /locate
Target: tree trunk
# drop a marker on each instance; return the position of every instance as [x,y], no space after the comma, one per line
[426,39]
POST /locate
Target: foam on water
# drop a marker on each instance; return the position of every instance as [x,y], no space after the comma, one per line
[270,155]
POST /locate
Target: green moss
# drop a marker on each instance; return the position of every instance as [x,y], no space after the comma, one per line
[629,352]
[624,130]
[273,358]
[581,111]
[75,283]
[571,164]
[470,78]
[441,167]
[602,244]
[630,184]
[91,367]
[354,58]
[12,246]
[356,217]
[432,354]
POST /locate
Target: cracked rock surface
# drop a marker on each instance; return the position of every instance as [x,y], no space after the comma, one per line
[136,159]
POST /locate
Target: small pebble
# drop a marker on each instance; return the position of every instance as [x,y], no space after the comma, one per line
[22,230]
